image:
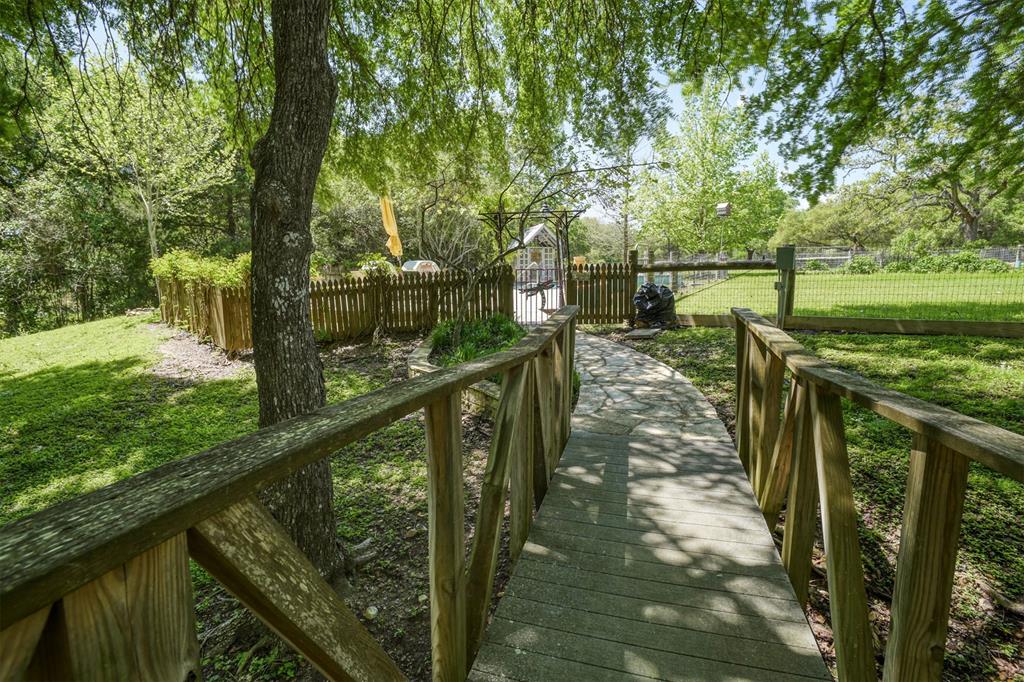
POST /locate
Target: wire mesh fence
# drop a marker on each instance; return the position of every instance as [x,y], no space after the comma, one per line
[965,284]
[820,258]
[908,295]
[716,292]
[984,284]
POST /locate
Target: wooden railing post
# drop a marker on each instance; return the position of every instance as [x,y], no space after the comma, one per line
[18,644]
[447,551]
[927,559]
[521,474]
[773,490]
[558,389]
[543,414]
[847,598]
[755,395]
[483,559]
[768,422]
[134,622]
[743,341]
[801,507]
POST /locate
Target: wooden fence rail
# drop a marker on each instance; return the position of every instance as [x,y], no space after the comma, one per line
[99,588]
[341,308]
[801,461]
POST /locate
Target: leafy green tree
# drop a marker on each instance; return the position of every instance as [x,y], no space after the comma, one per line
[842,72]
[966,193]
[599,240]
[709,161]
[109,124]
[401,83]
[850,217]
[67,253]
[103,167]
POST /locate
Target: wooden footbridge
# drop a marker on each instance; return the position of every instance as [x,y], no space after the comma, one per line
[640,536]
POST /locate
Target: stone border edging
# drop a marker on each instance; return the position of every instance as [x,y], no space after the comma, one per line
[480,398]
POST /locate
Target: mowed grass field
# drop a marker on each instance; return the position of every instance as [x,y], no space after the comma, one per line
[933,296]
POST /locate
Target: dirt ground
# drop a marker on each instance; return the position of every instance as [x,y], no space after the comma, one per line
[187,360]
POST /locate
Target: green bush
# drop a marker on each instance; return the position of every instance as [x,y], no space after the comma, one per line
[861,265]
[376,264]
[187,266]
[476,338]
[815,265]
[899,266]
[959,262]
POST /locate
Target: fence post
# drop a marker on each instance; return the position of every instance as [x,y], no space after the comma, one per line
[571,279]
[508,283]
[785,261]
[630,288]
[447,542]
[649,262]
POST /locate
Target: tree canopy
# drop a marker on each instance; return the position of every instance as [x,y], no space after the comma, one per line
[839,72]
[712,159]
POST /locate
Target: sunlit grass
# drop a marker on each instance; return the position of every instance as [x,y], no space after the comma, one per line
[945,296]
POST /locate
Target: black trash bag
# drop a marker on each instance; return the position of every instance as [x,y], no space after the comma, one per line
[655,305]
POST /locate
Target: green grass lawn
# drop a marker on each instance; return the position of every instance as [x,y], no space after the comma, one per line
[939,296]
[980,377]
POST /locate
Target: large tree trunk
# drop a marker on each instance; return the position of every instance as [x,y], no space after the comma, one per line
[970,224]
[287,161]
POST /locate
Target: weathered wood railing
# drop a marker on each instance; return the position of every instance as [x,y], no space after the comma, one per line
[99,587]
[802,460]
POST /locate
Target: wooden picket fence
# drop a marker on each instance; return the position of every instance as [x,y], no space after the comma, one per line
[603,291]
[221,313]
[341,308]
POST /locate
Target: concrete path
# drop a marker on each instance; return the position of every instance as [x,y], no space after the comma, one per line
[649,558]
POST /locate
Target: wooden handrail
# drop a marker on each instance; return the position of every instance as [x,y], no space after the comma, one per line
[68,548]
[994,447]
[803,462]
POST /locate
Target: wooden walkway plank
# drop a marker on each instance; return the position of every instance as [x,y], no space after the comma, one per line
[743,598]
[649,558]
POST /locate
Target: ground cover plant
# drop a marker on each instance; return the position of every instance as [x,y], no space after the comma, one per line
[980,377]
[86,405]
[456,342]
[910,295]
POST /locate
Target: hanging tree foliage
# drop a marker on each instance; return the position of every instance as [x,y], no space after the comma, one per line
[400,84]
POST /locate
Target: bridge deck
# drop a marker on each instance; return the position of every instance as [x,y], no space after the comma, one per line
[649,558]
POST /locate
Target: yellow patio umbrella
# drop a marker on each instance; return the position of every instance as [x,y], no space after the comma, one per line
[387,214]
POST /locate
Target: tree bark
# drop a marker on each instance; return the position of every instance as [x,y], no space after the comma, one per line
[286,161]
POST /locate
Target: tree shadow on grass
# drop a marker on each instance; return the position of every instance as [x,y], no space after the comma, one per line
[70,430]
